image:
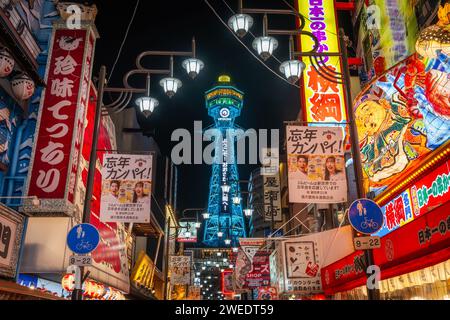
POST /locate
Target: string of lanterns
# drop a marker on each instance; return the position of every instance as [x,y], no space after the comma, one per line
[21,84]
[92,289]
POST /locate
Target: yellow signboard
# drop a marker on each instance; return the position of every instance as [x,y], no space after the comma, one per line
[142,271]
[324,100]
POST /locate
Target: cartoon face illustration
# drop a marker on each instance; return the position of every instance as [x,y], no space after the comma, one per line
[69,43]
[369,117]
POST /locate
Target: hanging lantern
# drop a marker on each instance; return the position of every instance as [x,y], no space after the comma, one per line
[68,282]
[22,86]
[6,63]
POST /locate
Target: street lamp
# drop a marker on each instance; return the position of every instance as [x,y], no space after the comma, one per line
[265,46]
[248,212]
[147,105]
[237,200]
[205,215]
[227,241]
[193,66]
[220,234]
[240,23]
[225,188]
[170,84]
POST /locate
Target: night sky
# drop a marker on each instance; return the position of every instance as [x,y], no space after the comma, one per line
[170,25]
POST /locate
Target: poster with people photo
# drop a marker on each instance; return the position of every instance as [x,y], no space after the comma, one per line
[126,188]
[316,164]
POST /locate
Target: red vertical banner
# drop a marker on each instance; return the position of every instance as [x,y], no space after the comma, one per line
[55,157]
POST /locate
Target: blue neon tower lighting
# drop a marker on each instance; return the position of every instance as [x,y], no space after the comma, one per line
[224,103]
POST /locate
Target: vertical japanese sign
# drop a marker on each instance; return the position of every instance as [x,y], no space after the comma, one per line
[316,164]
[301,264]
[324,100]
[259,275]
[180,270]
[11,230]
[272,198]
[126,188]
[270,161]
[56,152]
[225,194]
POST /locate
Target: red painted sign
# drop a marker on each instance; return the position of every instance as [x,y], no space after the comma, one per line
[56,149]
[227,281]
[259,275]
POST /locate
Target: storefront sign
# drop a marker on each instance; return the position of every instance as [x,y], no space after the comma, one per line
[180,270]
[11,231]
[272,198]
[56,153]
[267,293]
[142,272]
[270,161]
[316,164]
[428,193]
[324,100]
[425,235]
[259,275]
[126,188]
[227,282]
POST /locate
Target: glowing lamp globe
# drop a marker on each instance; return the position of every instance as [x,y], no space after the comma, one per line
[193,66]
[292,70]
[22,86]
[240,23]
[205,215]
[236,200]
[147,105]
[248,212]
[170,86]
[6,63]
[265,46]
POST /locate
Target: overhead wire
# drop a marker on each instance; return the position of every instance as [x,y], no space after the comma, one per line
[245,46]
[123,40]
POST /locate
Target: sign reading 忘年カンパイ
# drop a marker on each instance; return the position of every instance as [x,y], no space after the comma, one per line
[428,193]
[324,100]
[56,152]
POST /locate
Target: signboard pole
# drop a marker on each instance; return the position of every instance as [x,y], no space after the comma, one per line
[76,294]
[372,293]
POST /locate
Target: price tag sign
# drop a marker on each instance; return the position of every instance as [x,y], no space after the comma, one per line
[80,260]
[366,243]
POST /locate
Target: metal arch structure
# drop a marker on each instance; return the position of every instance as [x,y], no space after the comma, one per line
[224,103]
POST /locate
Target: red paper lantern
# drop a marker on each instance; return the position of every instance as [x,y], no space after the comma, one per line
[6,63]
[22,86]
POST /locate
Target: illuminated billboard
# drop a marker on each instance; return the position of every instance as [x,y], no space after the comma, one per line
[324,100]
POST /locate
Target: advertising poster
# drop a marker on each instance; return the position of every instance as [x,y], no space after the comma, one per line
[259,274]
[187,232]
[404,115]
[126,188]
[324,100]
[227,282]
[316,164]
[272,198]
[180,270]
[252,265]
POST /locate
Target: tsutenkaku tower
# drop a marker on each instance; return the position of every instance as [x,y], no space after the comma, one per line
[224,103]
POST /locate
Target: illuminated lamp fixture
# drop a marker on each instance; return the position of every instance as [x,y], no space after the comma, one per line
[225,188]
[203,268]
[235,249]
[225,259]
[237,200]
[240,23]
[198,225]
[231,266]
[147,105]
[193,66]
[292,70]
[227,241]
[248,212]
[22,86]
[170,85]
[205,215]
[6,63]
[217,265]
[265,46]
[219,254]
[197,273]
[220,234]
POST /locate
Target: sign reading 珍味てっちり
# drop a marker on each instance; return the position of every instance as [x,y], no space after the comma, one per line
[316,164]
[56,153]
[428,193]
[323,99]
[126,188]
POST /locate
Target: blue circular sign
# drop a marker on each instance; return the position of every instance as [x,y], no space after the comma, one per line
[365,216]
[83,238]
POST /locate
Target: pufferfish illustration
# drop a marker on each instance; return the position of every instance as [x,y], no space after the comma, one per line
[436,37]
[69,43]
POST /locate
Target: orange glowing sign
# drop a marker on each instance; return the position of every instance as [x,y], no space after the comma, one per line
[324,100]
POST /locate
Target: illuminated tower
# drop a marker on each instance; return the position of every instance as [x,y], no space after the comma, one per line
[226,222]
